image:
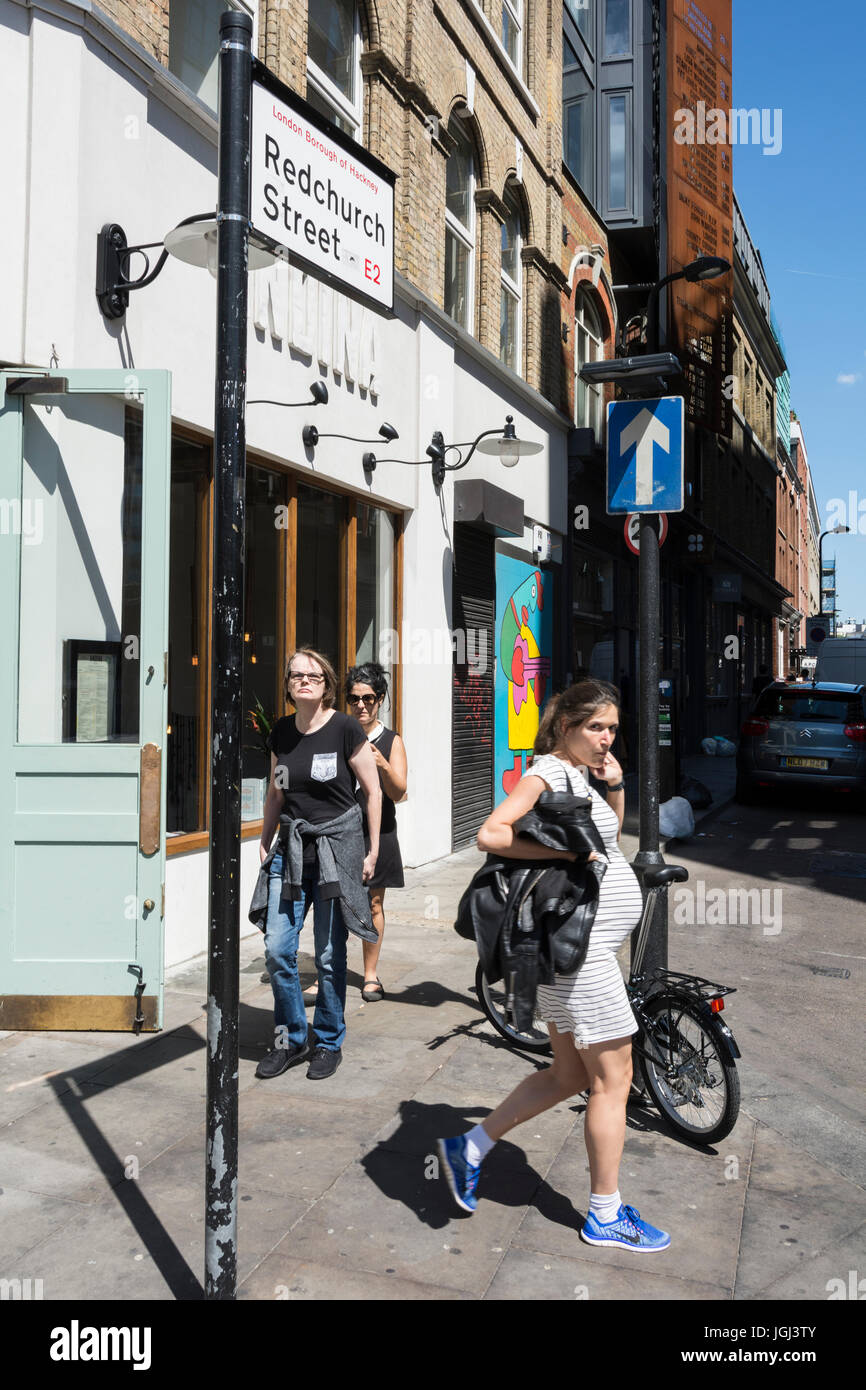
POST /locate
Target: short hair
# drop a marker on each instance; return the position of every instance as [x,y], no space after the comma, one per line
[329,699]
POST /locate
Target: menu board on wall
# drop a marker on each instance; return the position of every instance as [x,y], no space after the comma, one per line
[700,202]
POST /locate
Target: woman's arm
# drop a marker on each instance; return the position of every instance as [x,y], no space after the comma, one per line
[394,771]
[273,807]
[612,775]
[616,802]
[363,765]
[497,836]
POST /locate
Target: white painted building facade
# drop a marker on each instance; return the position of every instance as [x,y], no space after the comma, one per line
[95,133]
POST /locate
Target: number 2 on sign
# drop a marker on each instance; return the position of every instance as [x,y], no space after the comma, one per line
[371,272]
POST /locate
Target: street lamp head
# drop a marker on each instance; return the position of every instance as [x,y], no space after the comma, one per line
[508,448]
[195,242]
[631,369]
[840,530]
[706,268]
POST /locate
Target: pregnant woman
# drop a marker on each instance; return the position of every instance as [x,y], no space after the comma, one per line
[588,1014]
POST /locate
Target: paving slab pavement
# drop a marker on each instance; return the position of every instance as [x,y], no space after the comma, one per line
[102,1158]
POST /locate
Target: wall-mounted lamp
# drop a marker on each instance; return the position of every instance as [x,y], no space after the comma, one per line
[194,240]
[318,391]
[311,435]
[508,447]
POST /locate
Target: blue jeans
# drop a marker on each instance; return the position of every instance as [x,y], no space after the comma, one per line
[284,923]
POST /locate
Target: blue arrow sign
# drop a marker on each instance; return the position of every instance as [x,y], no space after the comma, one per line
[645,455]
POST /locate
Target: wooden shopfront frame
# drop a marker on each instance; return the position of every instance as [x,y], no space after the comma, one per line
[186,842]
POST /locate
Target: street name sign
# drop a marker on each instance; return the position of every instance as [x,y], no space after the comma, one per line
[319,199]
[645,455]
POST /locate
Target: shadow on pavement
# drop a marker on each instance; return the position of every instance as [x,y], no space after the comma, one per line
[162,1249]
[405,1167]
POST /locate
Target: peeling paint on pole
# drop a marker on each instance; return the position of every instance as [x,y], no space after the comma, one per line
[227,664]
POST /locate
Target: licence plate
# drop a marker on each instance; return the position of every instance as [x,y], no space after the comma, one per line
[820,763]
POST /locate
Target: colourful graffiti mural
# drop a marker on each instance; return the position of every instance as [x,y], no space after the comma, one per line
[524,629]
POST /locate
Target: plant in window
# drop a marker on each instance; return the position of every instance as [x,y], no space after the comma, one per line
[261,722]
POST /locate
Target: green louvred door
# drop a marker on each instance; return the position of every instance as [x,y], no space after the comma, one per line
[84,493]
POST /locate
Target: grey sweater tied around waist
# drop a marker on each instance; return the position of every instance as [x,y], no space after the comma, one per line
[340,852]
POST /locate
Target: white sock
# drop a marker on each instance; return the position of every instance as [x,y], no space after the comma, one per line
[604,1208]
[478,1145]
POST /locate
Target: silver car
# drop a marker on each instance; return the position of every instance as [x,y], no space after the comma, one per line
[804,736]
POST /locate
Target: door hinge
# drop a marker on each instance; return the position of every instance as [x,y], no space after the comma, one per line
[162,902]
[165,669]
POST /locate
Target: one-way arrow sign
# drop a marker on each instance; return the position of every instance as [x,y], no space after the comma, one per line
[645,455]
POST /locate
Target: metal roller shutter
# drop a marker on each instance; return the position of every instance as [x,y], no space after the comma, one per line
[474,670]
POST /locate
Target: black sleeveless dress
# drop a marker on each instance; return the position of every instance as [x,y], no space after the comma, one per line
[389,865]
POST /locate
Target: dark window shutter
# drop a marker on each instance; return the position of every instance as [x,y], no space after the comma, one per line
[474,671]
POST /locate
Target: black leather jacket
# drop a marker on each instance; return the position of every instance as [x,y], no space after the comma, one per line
[531,919]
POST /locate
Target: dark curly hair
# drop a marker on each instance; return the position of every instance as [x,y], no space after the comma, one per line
[369,673]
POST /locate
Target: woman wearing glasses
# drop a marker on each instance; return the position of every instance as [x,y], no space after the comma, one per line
[320,858]
[366,688]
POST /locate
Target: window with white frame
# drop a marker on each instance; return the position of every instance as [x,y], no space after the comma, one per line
[334,85]
[460,227]
[512,31]
[510,293]
[588,347]
[194,43]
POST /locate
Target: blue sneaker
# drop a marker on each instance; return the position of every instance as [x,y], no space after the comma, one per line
[462,1177]
[626,1230]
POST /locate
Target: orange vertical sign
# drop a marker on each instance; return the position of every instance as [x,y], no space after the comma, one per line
[700,202]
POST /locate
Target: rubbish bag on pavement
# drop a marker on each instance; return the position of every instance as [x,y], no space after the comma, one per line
[676,820]
[718,747]
[696,794]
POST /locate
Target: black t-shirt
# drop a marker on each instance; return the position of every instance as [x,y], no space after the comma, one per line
[313,769]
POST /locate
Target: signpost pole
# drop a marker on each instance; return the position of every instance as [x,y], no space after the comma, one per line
[233,216]
[648,746]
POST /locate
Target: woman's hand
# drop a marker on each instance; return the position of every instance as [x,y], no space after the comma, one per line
[608,771]
[378,759]
[369,868]
[263,853]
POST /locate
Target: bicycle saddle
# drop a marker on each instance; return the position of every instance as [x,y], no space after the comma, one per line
[663,874]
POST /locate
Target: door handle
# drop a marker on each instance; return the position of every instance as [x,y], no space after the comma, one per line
[149,788]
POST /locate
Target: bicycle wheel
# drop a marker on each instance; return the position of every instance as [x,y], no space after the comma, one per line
[492,999]
[693,1085]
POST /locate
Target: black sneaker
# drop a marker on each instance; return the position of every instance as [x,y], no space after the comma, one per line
[278,1061]
[324,1063]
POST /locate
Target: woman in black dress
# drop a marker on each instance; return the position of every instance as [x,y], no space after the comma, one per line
[366,688]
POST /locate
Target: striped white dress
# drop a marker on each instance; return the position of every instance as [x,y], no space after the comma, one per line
[593,1004]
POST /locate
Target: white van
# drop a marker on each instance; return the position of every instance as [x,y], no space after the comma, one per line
[842,659]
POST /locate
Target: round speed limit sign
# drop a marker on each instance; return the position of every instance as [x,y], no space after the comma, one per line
[632,530]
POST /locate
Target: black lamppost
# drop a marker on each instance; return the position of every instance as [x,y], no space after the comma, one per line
[221,243]
[834,531]
[702,268]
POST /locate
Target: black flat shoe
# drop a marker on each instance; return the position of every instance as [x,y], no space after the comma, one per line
[372,991]
[278,1061]
[324,1063]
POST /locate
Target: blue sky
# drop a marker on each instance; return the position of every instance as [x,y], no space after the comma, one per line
[806,210]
